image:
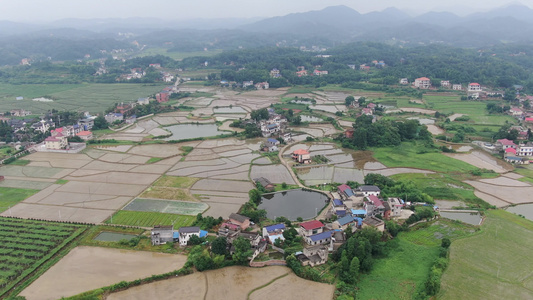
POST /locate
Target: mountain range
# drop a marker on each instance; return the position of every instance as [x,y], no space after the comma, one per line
[327,27]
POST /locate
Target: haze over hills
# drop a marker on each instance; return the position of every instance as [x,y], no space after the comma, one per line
[328,27]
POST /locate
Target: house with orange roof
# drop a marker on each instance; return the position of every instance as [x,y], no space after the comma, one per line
[302,156]
[474,87]
[422,83]
[85,135]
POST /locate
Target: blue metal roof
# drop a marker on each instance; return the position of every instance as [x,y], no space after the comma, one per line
[272,126]
[345,220]
[272,140]
[337,202]
[321,236]
[340,213]
[203,233]
[358,212]
[348,192]
[275,227]
[176,235]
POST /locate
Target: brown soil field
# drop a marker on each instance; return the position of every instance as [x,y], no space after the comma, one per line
[155,168]
[232,176]
[509,194]
[274,173]
[87,268]
[231,283]
[292,287]
[116,177]
[157,150]
[223,185]
[120,148]
[102,188]
[105,166]
[58,213]
[223,210]
[434,129]
[190,287]
[482,160]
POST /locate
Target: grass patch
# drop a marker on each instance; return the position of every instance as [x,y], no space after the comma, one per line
[154,160]
[168,193]
[11,196]
[176,182]
[494,264]
[61,181]
[186,150]
[410,155]
[20,162]
[149,219]
[406,268]
[444,186]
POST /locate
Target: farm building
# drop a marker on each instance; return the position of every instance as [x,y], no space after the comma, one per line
[162,234]
[185,233]
[269,186]
[242,221]
[311,227]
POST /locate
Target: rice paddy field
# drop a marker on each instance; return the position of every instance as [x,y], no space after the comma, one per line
[166,206]
[12,196]
[149,219]
[494,264]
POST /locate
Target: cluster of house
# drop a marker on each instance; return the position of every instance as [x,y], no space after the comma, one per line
[303,72]
[163,234]
[245,84]
[365,67]
[274,125]
[513,153]
[138,73]
[425,83]
[164,95]
[58,138]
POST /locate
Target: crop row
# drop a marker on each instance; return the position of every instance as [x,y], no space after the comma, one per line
[149,219]
[18,246]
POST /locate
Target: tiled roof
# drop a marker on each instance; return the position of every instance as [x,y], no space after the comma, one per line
[321,236]
[310,225]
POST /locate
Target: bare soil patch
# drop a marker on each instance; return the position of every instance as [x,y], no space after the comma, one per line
[434,129]
[509,194]
[482,160]
[274,173]
[292,287]
[86,268]
[223,185]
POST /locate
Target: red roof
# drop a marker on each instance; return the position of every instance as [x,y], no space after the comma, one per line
[300,152]
[474,83]
[375,200]
[422,78]
[58,130]
[310,225]
[510,150]
[529,119]
[343,187]
[506,142]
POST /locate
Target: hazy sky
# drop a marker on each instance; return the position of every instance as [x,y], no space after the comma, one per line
[46,10]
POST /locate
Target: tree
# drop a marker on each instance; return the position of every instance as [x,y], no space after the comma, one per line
[349,100]
[354,269]
[242,250]
[195,240]
[255,196]
[219,246]
[361,101]
[445,243]
[100,123]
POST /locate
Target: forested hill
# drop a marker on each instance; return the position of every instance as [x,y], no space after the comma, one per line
[501,66]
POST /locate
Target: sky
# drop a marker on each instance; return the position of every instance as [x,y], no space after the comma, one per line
[49,10]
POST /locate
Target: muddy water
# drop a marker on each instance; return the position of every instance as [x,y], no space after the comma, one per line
[525,210]
[113,236]
[189,131]
[293,204]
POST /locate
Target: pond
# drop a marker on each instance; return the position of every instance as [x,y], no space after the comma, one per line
[466,217]
[106,236]
[229,110]
[310,119]
[189,131]
[293,204]
[525,210]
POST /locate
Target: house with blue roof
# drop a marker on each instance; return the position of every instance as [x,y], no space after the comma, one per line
[319,238]
[273,232]
[345,190]
[340,213]
[361,213]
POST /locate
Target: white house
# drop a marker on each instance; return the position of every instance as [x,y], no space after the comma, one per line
[457,87]
[368,190]
[422,83]
[404,81]
[185,233]
[474,87]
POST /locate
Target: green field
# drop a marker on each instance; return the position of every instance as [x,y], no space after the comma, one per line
[91,97]
[406,156]
[402,274]
[176,55]
[149,219]
[12,196]
[26,245]
[443,186]
[495,264]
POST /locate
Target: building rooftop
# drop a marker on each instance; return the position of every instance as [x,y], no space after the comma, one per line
[321,236]
[190,229]
[345,220]
[369,188]
[275,227]
[310,225]
[238,218]
[337,202]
